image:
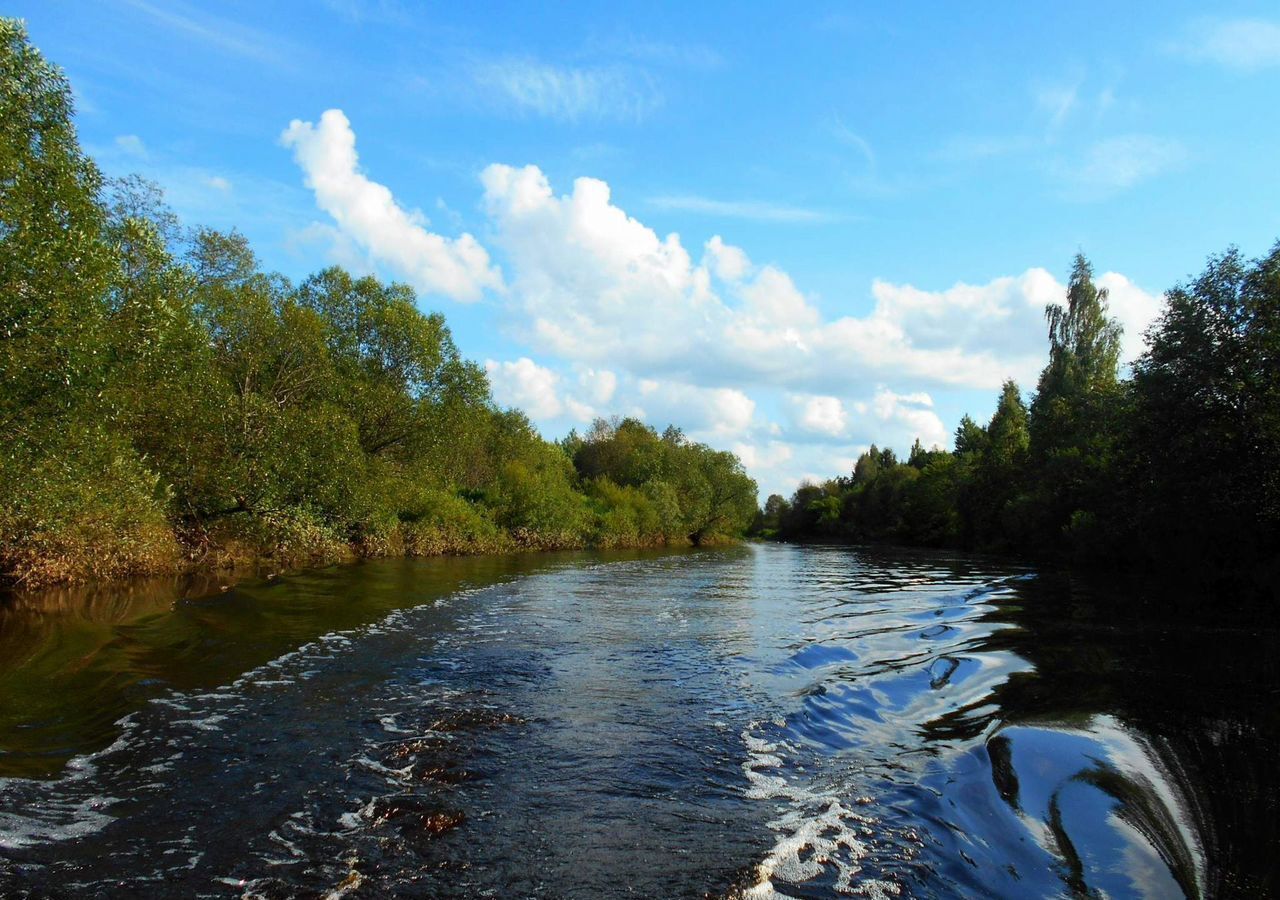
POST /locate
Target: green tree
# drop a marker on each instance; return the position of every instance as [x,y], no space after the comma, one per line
[1205,482]
[55,267]
[1076,422]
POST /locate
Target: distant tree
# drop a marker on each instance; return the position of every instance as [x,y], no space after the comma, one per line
[970,437]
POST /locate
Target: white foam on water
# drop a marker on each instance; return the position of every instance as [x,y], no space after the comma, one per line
[389,725]
[74,821]
[387,772]
[817,835]
[211,722]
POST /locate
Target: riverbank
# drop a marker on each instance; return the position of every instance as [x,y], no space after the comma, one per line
[267,545]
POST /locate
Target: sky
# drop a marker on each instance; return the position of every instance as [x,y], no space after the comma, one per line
[790,232]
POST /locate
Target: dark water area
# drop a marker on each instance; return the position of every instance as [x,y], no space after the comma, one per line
[758,721]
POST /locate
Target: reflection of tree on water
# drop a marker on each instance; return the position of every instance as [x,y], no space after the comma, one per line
[1135,726]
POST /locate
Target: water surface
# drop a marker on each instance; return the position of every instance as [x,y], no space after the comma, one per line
[752,722]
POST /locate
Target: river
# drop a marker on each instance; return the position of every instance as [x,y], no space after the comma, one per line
[757,721]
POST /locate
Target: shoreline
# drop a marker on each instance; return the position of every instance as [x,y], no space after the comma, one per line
[223,566]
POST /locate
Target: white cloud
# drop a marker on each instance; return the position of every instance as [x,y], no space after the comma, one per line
[218,183]
[368,213]
[546,394]
[1245,44]
[567,93]
[335,245]
[848,136]
[1134,308]
[717,412]
[527,385]
[912,414]
[820,414]
[769,455]
[741,209]
[595,285]
[726,262]
[131,145]
[598,385]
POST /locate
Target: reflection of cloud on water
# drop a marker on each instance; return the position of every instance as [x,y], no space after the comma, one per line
[1103,803]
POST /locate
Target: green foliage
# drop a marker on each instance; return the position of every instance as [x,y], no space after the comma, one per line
[54,266]
[164,397]
[702,495]
[78,503]
[1175,472]
[1205,442]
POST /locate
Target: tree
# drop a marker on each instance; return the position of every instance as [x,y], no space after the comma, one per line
[1076,420]
[54,265]
[1206,438]
[1084,343]
[970,437]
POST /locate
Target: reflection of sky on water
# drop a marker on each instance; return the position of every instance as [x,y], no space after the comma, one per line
[795,721]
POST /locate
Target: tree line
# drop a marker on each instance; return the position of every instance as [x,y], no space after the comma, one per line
[1173,471]
[164,401]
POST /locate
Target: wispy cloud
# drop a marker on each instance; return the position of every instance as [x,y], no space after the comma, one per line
[388,12]
[1245,44]
[1118,163]
[131,145]
[861,169]
[226,35]
[569,93]
[967,148]
[1056,103]
[661,53]
[851,138]
[743,209]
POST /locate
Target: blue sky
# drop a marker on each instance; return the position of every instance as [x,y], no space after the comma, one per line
[790,232]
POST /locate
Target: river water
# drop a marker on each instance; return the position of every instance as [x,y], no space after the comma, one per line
[759,721]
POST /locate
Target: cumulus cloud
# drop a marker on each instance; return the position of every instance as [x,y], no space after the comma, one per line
[546,394]
[1134,308]
[820,414]
[527,385]
[912,414]
[726,262]
[595,285]
[568,93]
[763,456]
[597,385]
[367,213]
[719,412]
